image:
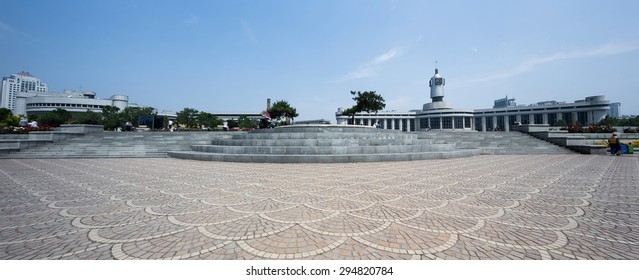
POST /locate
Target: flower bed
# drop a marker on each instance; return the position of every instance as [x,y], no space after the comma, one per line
[22,130]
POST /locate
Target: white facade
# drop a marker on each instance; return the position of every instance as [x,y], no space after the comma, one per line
[25,94]
[72,101]
[440,115]
[590,110]
[22,82]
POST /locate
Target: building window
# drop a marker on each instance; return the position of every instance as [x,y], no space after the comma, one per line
[412,125]
[434,123]
[567,117]
[478,123]
[404,125]
[467,123]
[489,123]
[459,122]
[525,119]
[500,122]
[539,119]
[447,123]
[582,118]
[552,119]
[423,123]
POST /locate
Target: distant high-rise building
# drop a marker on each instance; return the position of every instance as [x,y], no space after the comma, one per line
[20,82]
[504,103]
[615,110]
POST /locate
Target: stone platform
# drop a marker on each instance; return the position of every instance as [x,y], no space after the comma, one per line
[322,144]
[484,207]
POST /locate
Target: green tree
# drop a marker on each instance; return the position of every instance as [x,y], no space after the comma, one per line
[246,122]
[367,101]
[89,117]
[111,118]
[62,114]
[608,120]
[561,123]
[7,118]
[208,120]
[133,114]
[188,117]
[281,109]
[51,119]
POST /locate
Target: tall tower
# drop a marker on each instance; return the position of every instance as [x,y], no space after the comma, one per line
[436,85]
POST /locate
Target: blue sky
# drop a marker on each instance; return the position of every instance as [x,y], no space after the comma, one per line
[230,56]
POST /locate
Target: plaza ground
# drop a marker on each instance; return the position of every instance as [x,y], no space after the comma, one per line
[482,207]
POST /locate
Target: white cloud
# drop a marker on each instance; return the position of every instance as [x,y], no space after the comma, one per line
[386,56]
[373,67]
[248,31]
[474,49]
[605,50]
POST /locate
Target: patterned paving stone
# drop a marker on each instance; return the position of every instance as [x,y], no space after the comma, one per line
[484,207]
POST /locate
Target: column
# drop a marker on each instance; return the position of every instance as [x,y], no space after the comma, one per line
[545,118]
[483,124]
[506,123]
[392,124]
[494,122]
[441,123]
[401,124]
[385,123]
[531,119]
[518,118]
[574,117]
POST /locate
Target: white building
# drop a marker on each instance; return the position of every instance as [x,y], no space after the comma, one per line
[28,103]
[22,82]
[25,94]
[440,115]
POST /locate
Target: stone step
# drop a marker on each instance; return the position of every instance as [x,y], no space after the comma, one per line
[389,136]
[320,142]
[321,150]
[342,158]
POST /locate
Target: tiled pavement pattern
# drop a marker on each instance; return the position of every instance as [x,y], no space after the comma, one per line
[483,207]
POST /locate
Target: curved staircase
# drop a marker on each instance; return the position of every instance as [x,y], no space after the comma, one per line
[322,144]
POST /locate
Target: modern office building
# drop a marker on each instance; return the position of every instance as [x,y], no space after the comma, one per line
[440,115]
[615,110]
[22,82]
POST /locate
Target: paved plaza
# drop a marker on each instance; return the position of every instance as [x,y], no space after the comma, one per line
[483,207]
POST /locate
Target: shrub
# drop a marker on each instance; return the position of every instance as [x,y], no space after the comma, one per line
[51,119]
[593,128]
[89,117]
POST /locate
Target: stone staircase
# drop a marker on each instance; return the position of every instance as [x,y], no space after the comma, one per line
[118,145]
[289,144]
[496,143]
[323,144]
